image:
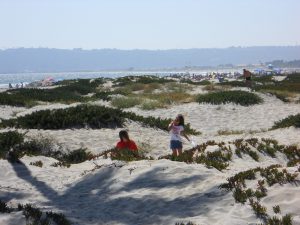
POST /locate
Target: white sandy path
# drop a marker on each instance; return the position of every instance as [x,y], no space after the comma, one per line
[209,119]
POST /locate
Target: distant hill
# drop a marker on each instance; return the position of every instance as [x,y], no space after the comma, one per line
[285,64]
[59,60]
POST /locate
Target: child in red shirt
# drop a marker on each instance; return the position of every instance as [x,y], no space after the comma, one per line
[125,142]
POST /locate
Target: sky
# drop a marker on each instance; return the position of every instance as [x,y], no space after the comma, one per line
[148,24]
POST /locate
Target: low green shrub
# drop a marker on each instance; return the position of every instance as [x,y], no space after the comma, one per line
[76,156]
[290,84]
[86,116]
[293,120]
[127,155]
[276,209]
[70,91]
[245,149]
[218,159]
[8,141]
[74,117]
[271,175]
[260,211]
[238,180]
[58,218]
[222,97]
[60,164]
[241,195]
[146,79]
[188,223]
[4,207]
[274,176]
[35,216]
[103,95]
[234,83]
[157,122]
[37,163]
[38,146]
[287,219]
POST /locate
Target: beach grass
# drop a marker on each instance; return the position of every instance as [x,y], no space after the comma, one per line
[125,102]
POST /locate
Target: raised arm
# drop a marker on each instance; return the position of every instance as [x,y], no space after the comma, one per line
[170,125]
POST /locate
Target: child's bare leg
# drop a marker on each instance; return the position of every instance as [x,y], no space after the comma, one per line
[179,151]
[174,152]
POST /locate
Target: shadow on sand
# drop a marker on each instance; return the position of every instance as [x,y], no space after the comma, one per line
[94,200]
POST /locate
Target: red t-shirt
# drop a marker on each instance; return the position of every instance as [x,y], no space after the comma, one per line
[127,145]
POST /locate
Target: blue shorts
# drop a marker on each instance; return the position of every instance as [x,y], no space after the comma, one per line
[175,144]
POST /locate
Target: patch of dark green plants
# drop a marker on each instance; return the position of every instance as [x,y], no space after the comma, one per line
[276,209]
[285,220]
[35,216]
[76,156]
[68,92]
[157,122]
[8,141]
[218,159]
[222,97]
[291,84]
[275,176]
[127,80]
[60,164]
[259,210]
[238,180]
[74,117]
[86,116]
[14,146]
[127,155]
[241,194]
[293,120]
[245,149]
[37,163]
[188,223]
[4,208]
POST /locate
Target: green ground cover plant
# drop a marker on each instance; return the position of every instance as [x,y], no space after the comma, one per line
[69,91]
[271,175]
[146,79]
[292,120]
[83,116]
[37,163]
[34,216]
[218,159]
[222,97]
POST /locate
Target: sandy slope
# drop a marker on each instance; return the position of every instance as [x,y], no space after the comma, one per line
[150,192]
[144,192]
[209,119]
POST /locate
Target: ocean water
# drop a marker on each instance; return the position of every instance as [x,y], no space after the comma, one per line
[17,78]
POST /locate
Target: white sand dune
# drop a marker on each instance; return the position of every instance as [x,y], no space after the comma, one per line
[143,192]
[150,192]
[209,119]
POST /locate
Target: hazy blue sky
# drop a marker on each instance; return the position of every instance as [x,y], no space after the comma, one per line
[148,24]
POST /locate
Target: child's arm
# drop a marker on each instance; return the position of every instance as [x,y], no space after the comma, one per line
[184,135]
[170,125]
